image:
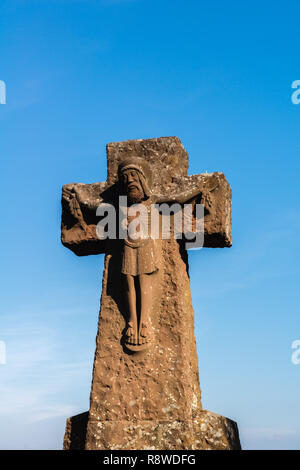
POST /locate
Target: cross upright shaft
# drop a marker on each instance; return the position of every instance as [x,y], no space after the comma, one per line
[147,397]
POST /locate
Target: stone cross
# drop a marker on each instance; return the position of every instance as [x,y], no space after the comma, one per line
[145,389]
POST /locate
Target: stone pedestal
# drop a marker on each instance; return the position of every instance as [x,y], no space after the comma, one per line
[209,432]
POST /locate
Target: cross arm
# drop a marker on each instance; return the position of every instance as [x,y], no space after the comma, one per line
[80,201]
[78,224]
[214,192]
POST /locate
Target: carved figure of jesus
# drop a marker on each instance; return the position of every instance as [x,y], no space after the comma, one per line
[139,259]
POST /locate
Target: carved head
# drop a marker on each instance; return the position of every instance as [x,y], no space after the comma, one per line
[135,178]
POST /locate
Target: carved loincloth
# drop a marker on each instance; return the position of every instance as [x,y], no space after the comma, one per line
[139,257]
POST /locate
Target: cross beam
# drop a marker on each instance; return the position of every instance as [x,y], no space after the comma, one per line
[169,163]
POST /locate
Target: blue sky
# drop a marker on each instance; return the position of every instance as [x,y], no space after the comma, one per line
[218,75]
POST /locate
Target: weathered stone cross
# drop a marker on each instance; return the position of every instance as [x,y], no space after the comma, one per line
[145,389]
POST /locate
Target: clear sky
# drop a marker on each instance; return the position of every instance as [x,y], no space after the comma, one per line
[216,74]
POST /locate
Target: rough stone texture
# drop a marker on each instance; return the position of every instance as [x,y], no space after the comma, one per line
[160,384]
[75,434]
[209,432]
[150,399]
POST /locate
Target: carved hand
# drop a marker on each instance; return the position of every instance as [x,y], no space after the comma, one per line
[206,199]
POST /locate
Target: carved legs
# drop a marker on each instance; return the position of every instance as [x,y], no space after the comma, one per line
[138,290]
[145,285]
[130,294]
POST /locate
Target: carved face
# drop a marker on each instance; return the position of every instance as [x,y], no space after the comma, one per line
[132,185]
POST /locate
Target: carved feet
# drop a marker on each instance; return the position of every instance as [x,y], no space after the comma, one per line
[131,334]
[137,340]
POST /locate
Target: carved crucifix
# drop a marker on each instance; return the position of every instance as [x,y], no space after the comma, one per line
[139,254]
[145,368]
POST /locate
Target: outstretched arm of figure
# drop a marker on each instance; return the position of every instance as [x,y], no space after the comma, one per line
[79,195]
[186,196]
[70,199]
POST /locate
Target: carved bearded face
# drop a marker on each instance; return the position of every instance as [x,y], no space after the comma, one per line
[132,185]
